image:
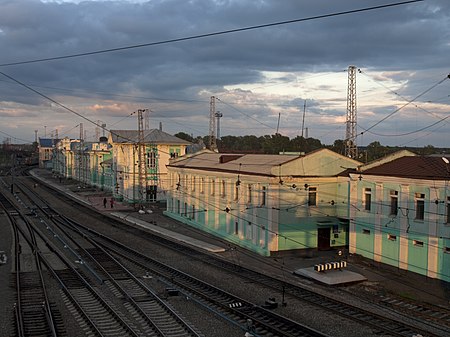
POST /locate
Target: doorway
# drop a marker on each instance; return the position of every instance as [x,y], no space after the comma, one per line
[323,238]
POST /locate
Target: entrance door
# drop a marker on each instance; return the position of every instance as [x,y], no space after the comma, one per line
[323,238]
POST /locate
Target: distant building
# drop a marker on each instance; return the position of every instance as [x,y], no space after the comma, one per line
[159,148]
[63,157]
[265,203]
[400,213]
[46,146]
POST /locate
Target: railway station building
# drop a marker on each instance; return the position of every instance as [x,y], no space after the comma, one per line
[112,163]
[83,161]
[265,203]
[159,147]
[400,213]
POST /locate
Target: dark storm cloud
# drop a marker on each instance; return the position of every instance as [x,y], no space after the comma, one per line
[403,40]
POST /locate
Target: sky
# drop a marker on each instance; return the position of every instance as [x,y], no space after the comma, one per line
[291,78]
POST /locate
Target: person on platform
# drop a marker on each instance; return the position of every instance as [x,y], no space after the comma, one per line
[104,202]
[111,202]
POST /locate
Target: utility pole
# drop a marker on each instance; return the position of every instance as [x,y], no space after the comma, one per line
[303,119]
[212,124]
[278,124]
[351,149]
[146,119]
[97,131]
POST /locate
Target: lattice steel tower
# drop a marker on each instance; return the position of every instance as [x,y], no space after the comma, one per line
[142,169]
[80,155]
[351,150]
[212,124]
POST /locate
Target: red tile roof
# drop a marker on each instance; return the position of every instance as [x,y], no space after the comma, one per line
[418,167]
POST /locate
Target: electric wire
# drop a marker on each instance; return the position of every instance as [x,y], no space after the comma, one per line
[200,36]
[404,105]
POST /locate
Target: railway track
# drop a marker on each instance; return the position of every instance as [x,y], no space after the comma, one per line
[264,321]
[435,317]
[157,320]
[199,288]
[34,314]
[33,318]
[378,322]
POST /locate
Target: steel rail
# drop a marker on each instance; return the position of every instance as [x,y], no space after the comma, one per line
[59,220]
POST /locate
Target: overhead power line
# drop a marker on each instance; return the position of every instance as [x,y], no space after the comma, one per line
[200,36]
[406,104]
[51,100]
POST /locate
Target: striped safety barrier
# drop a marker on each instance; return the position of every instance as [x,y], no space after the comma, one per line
[330,266]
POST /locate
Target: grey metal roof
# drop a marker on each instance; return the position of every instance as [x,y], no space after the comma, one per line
[261,164]
[152,136]
[323,163]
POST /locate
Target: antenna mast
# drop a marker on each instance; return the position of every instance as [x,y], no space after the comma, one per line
[351,150]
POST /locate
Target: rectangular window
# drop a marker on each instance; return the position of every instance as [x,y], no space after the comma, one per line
[236,192]
[394,202]
[249,194]
[174,152]
[312,196]
[418,243]
[236,228]
[366,231]
[185,209]
[178,207]
[367,199]
[420,206]
[194,181]
[202,185]
[263,196]
[448,210]
[249,231]
[193,213]
[392,237]
[213,187]
[151,159]
[223,188]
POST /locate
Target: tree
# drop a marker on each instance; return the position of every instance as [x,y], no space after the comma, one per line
[338,146]
[427,150]
[184,136]
[375,150]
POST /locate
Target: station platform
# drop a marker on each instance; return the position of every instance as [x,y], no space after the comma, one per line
[331,277]
[170,234]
